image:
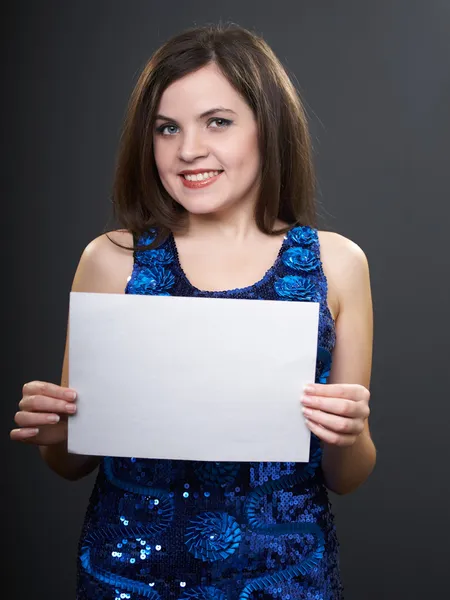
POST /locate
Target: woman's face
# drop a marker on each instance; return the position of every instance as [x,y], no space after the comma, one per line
[224,140]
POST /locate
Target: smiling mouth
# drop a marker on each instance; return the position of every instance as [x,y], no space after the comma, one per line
[200,176]
[200,180]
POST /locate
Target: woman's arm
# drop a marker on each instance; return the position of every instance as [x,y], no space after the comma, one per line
[349,453]
[103,268]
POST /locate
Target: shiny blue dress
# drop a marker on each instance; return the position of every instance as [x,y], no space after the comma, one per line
[172,529]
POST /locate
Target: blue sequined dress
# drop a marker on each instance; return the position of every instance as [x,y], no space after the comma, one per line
[185,530]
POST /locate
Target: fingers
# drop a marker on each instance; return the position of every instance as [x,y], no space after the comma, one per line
[337,406]
[42,406]
[43,388]
[335,423]
[331,437]
[339,390]
[33,419]
[20,435]
[336,413]
[46,404]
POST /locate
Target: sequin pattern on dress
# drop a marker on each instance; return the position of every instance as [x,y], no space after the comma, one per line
[187,530]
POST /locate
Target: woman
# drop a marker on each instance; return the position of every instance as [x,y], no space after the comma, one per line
[215,190]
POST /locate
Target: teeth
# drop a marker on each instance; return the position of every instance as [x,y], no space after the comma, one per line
[201,176]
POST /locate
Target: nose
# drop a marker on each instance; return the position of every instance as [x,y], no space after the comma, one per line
[192,146]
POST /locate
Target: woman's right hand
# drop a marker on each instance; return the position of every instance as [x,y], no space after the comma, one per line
[43,413]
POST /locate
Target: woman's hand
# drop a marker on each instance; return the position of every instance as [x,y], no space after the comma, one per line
[42,418]
[336,413]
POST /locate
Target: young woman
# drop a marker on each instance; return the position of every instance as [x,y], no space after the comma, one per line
[215,190]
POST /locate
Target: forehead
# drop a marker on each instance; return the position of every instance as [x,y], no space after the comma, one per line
[199,91]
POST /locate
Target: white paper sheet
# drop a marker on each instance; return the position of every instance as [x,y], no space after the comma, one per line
[190,378]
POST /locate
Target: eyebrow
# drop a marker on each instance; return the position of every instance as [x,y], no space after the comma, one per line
[207,113]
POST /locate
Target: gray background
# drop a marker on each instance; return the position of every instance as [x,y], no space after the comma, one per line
[375,78]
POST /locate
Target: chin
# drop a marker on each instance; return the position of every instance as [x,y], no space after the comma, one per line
[203,207]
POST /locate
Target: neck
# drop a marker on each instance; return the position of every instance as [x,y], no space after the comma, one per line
[232,224]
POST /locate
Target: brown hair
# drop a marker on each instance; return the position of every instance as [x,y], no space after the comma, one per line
[287,179]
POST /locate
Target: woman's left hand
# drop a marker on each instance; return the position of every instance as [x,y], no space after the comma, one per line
[336,413]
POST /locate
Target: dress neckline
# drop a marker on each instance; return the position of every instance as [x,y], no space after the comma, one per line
[257,284]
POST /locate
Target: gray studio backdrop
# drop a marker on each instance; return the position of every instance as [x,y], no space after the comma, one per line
[375,78]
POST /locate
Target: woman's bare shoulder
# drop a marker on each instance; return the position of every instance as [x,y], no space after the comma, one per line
[345,266]
[110,245]
[340,251]
[105,264]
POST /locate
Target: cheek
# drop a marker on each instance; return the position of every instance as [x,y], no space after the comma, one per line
[162,157]
[162,161]
[157,156]
[241,155]
[249,152]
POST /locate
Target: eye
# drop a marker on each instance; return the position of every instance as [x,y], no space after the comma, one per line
[162,129]
[221,123]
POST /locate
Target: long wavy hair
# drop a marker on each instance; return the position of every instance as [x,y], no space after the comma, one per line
[287,182]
